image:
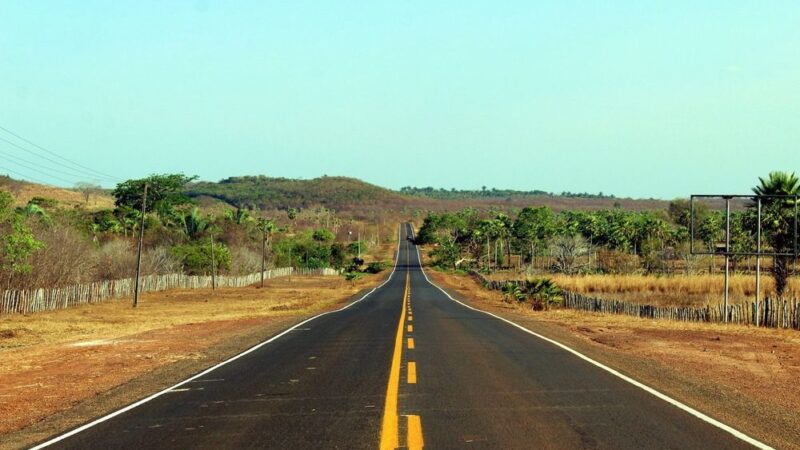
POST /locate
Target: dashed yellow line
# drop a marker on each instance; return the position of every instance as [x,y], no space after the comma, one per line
[411,375]
[411,343]
[414,440]
[411,328]
[389,426]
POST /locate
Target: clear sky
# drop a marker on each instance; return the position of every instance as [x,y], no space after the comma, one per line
[634,98]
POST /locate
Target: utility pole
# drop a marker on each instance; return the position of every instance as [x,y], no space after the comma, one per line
[727,251]
[263,255]
[359,243]
[213,265]
[139,251]
[758,265]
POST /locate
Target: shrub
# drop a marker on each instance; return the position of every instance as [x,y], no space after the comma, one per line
[196,257]
[375,267]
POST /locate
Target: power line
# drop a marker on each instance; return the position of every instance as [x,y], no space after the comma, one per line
[24,176]
[82,174]
[49,175]
[104,175]
[17,158]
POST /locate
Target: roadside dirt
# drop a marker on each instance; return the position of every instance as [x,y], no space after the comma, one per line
[745,377]
[61,369]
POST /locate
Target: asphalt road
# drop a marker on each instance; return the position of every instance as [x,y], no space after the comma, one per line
[402,367]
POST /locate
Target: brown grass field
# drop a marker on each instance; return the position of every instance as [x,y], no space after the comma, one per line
[675,290]
[23,192]
[694,290]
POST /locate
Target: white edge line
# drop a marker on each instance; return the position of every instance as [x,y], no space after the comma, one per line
[738,434]
[211,369]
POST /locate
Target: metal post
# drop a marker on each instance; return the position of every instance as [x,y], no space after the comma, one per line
[139,252]
[213,264]
[691,225]
[727,250]
[359,244]
[758,264]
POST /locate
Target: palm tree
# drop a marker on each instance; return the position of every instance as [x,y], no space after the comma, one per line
[778,221]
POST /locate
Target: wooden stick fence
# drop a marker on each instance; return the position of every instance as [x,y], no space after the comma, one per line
[773,313]
[37,300]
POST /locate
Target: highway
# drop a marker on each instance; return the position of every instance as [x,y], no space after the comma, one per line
[405,367]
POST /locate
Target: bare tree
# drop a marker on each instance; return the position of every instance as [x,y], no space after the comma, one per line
[88,189]
[570,254]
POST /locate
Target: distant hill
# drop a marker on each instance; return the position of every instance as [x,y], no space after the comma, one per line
[24,192]
[454,194]
[343,194]
[264,192]
[339,193]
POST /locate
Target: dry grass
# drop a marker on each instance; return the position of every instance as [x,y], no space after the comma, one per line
[24,192]
[111,320]
[695,290]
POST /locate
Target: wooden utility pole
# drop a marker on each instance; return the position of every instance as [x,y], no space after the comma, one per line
[213,265]
[263,255]
[139,251]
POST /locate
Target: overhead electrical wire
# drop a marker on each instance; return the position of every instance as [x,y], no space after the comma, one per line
[26,177]
[76,175]
[78,168]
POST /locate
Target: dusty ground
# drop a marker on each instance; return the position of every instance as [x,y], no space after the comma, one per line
[746,377]
[69,366]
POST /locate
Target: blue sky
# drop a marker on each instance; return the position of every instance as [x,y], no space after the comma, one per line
[642,99]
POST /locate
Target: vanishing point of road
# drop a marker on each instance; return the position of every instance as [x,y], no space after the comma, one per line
[405,367]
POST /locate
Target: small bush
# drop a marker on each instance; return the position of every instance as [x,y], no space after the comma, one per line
[196,257]
[375,267]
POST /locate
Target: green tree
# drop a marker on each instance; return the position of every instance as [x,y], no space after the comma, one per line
[19,243]
[195,257]
[534,227]
[778,221]
[165,193]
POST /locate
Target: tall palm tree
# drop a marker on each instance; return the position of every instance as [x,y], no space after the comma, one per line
[778,221]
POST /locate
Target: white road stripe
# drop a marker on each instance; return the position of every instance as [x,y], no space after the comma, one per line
[738,434]
[211,369]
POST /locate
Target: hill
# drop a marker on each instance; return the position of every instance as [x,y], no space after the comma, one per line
[345,194]
[24,192]
[266,193]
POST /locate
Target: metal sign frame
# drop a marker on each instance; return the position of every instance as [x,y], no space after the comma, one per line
[759,253]
[758,199]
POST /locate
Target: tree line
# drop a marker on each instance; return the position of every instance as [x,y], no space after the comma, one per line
[645,241]
[45,245]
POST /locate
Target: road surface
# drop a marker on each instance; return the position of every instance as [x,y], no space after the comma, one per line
[404,367]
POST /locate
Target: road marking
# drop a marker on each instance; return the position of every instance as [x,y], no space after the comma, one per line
[389,426]
[414,438]
[227,361]
[410,318]
[411,343]
[736,433]
[411,328]
[411,376]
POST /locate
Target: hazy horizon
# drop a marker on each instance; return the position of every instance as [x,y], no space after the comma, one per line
[656,100]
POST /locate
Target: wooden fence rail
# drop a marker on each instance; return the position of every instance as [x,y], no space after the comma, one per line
[773,313]
[35,300]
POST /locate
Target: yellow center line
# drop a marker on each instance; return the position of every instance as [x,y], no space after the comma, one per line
[411,328]
[389,427]
[412,373]
[411,343]
[414,441]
